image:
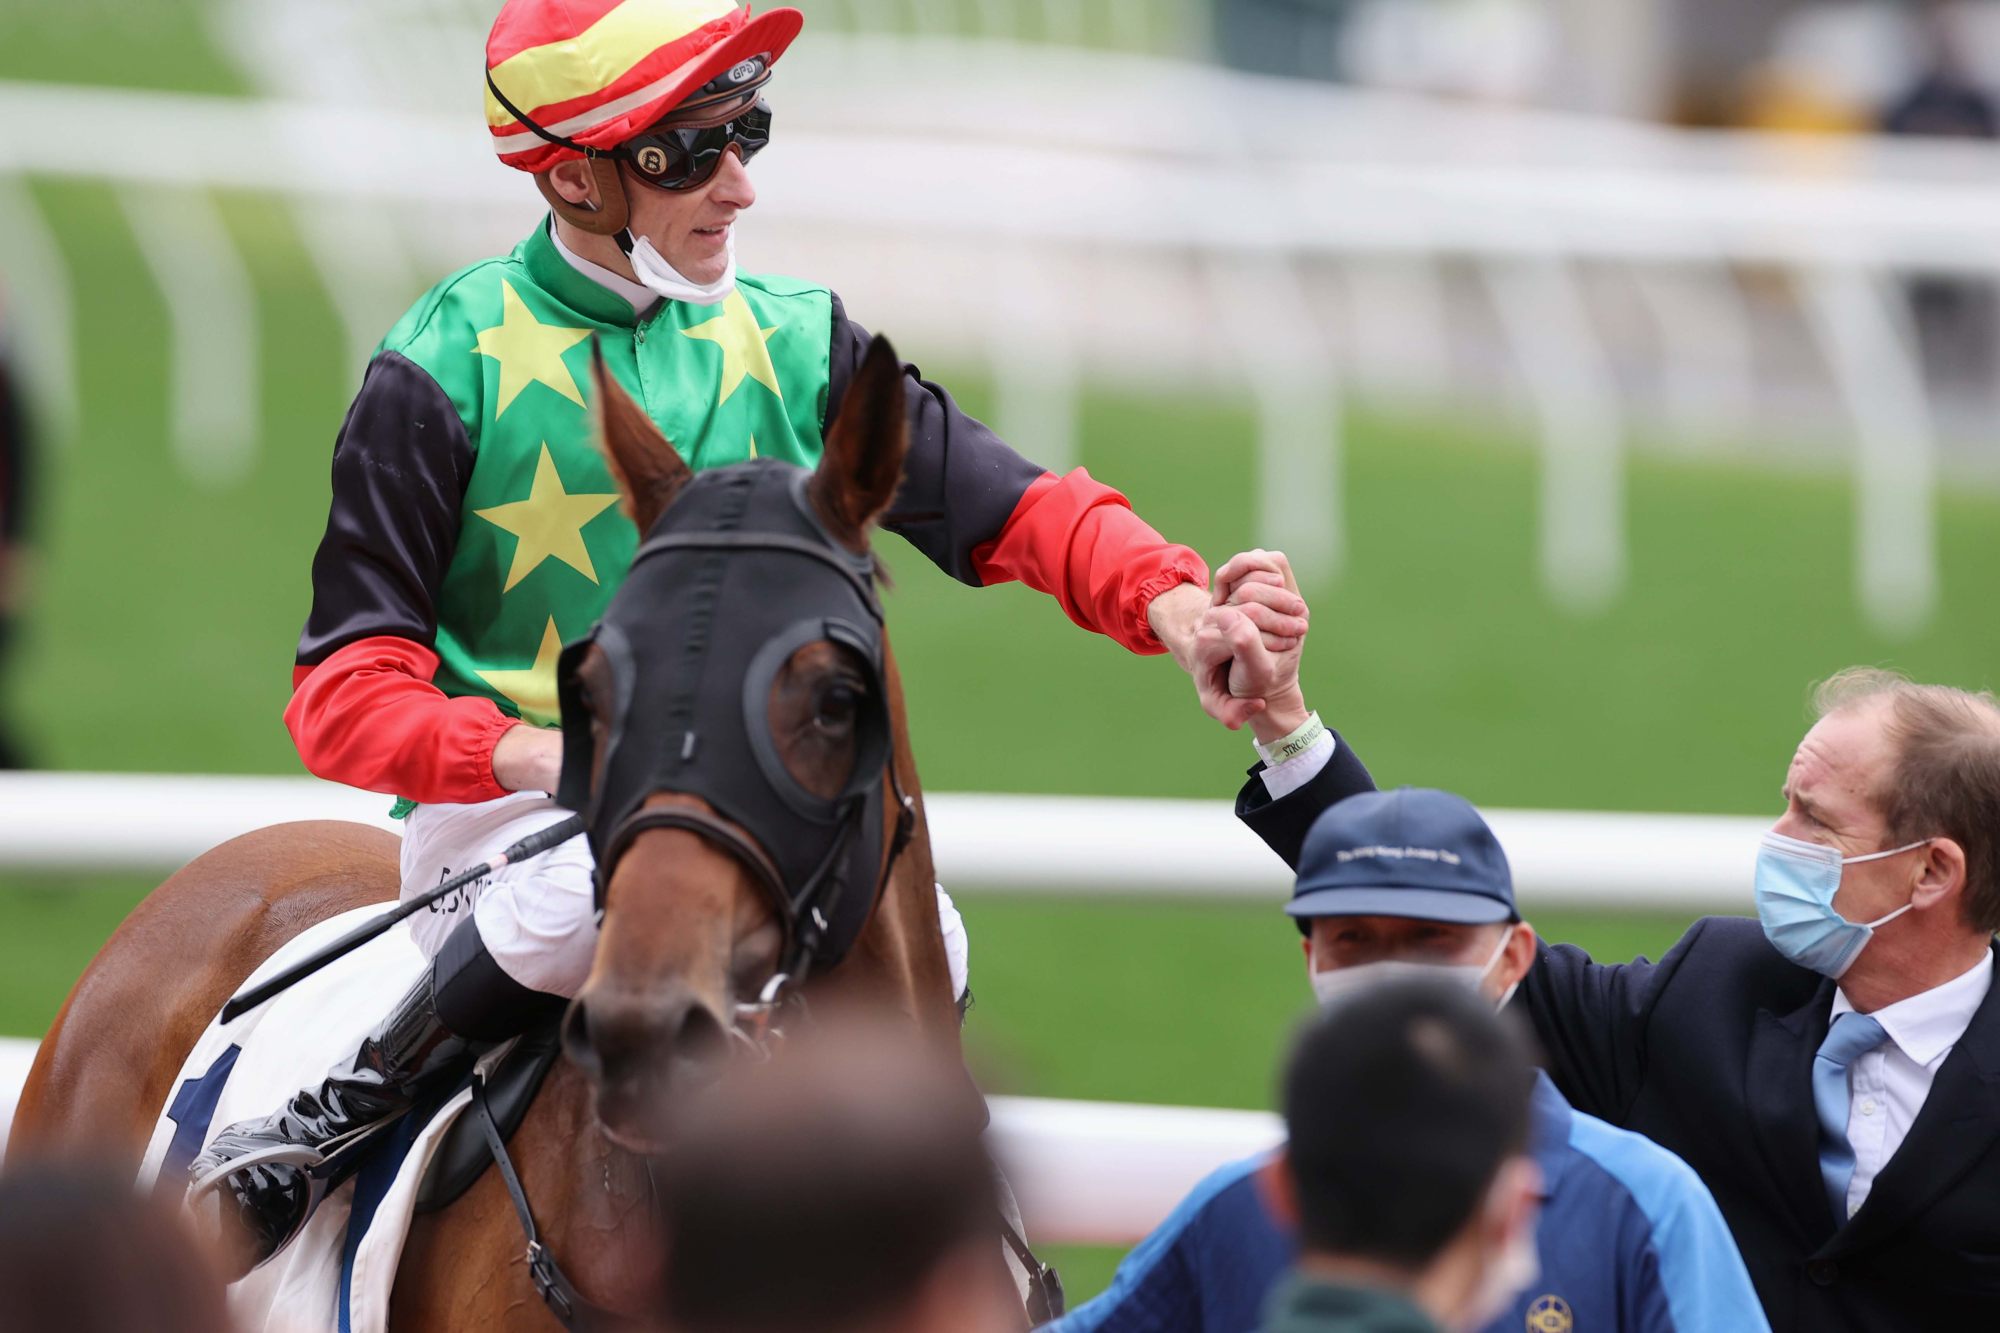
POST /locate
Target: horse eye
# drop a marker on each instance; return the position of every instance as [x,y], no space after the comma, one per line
[835,709]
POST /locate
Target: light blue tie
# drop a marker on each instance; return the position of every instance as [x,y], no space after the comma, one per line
[1852,1036]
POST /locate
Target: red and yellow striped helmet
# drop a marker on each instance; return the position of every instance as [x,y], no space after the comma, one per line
[597,72]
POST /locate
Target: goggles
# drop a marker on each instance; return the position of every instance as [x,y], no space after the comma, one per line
[677,157]
[684,156]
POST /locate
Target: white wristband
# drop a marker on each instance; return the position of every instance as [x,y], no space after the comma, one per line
[1293,745]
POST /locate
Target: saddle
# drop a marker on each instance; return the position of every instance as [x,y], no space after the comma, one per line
[511,1086]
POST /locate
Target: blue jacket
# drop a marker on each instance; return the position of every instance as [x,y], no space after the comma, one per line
[1629,1240]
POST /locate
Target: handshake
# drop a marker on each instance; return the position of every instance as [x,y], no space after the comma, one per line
[1246,646]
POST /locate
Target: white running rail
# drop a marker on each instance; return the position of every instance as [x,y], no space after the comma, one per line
[91,822]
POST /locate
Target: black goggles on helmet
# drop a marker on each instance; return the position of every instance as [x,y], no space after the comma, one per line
[686,157]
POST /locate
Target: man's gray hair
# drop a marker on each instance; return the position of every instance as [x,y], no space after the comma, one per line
[1946,778]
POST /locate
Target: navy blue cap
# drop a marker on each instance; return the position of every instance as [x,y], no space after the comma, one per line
[1413,852]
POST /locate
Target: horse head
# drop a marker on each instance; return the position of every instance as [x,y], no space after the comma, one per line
[732,736]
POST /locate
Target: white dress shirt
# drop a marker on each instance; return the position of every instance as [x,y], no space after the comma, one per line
[1281,780]
[1887,1086]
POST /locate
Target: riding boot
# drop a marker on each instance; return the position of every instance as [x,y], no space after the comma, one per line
[461,1006]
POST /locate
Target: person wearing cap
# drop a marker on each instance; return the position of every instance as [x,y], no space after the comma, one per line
[1414,1205]
[1414,883]
[474,527]
[1831,1068]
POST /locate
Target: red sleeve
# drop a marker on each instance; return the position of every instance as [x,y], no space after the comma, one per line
[1079,541]
[369,716]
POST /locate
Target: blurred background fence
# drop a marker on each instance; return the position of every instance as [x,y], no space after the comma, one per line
[1062,215]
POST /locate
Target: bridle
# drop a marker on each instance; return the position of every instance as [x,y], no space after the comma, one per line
[757,1024]
[741,567]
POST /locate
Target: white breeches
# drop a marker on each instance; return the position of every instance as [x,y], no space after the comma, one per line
[537,919]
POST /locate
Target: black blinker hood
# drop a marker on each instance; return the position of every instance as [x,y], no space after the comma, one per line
[735,577]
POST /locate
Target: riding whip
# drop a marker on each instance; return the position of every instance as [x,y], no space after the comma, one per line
[531,846]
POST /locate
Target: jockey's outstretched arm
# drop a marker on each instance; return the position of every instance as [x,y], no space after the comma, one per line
[364,709]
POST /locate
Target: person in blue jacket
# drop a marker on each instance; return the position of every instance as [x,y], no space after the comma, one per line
[1414,882]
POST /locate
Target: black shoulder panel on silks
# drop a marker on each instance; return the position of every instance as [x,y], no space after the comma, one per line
[961,483]
[400,469]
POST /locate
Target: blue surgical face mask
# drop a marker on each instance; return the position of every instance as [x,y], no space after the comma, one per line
[1796,881]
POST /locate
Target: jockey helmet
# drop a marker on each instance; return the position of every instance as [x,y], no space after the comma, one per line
[566,77]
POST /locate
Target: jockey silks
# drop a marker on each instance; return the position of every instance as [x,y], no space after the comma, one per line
[474,528]
[541,540]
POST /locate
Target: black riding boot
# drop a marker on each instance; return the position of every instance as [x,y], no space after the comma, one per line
[461,1006]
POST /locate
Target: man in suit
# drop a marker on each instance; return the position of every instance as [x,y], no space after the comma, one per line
[1831,1068]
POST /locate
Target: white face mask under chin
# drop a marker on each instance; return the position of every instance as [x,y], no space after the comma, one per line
[662,278]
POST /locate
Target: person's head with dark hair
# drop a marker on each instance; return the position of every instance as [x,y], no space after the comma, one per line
[1407,1109]
[841,1186]
[81,1252]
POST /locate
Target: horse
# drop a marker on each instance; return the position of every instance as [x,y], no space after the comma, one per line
[689,931]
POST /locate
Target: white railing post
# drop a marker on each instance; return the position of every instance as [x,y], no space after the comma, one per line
[212,311]
[1707,347]
[35,289]
[365,266]
[1575,395]
[1036,384]
[1864,328]
[1293,380]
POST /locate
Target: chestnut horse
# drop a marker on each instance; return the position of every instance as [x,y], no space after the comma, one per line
[682,916]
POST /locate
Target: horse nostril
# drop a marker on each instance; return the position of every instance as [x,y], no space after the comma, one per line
[702,1039]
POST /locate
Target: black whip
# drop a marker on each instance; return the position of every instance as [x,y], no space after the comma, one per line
[531,846]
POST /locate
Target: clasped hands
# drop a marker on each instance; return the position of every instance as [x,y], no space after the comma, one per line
[1247,647]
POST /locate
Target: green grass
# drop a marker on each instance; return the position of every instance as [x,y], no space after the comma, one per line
[157,44]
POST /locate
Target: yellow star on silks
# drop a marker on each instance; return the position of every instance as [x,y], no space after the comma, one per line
[533,692]
[529,351]
[549,524]
[744,355]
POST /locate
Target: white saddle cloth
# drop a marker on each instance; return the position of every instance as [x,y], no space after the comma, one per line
[337,1276]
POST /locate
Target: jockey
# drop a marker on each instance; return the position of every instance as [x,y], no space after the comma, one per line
[474,526]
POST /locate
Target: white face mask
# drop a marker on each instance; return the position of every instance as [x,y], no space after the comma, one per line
[1506,1278]
[658,276]
[1334,982]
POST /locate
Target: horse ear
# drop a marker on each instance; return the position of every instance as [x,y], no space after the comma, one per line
[648,470]
[863,462]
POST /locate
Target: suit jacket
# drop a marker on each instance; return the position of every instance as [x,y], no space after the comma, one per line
[1709,1053]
